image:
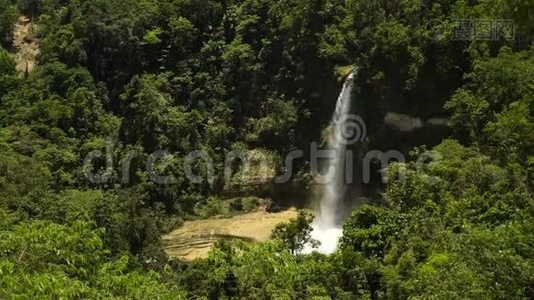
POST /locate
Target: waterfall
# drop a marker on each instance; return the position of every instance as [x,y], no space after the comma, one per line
[326,227]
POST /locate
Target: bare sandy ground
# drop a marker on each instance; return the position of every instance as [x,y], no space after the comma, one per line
[196,238]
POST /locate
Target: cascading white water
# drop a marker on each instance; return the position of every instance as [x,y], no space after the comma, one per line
[326,228]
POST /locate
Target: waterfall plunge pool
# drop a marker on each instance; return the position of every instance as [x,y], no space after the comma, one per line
[327,236]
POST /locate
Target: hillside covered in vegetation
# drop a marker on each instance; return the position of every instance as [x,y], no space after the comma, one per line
[92,90]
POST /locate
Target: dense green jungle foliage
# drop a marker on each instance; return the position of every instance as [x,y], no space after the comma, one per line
[219,75]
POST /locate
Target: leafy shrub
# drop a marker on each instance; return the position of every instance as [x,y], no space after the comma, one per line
[250,204]
[213,207]
[236,205]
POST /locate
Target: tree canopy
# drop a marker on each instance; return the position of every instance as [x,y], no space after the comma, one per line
[118,81]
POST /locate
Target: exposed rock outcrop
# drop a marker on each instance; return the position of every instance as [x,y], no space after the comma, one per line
[26,45]
[195,238]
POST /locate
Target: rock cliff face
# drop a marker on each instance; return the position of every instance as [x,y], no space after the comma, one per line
[393,123]
[196,238]
[253,173]
[396,121]
[26,44]
[393,130]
